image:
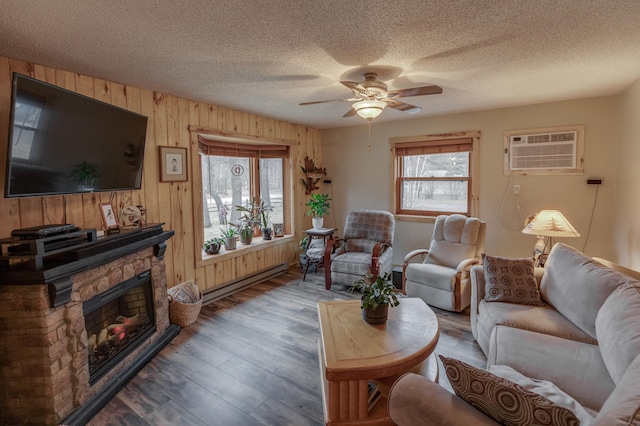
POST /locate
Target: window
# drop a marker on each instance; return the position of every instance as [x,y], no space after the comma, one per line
[236,174]
[434,175]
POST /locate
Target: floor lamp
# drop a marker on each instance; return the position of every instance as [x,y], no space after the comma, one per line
[547,226]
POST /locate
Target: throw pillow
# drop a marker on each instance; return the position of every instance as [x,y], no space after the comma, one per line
[510,280]
[503,400]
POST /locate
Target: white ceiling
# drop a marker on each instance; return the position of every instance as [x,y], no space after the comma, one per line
[266,57]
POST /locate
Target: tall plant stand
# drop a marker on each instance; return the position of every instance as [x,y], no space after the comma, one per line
[324,233]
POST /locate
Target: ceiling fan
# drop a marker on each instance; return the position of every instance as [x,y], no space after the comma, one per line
[371,97]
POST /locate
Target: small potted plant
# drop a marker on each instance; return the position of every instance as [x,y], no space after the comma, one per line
[213,245]
[318,208]
[247,222]
[377,296]
[228,235]
[255,214]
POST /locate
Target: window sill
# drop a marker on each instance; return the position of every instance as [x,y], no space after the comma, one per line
[412,218]
[257,244]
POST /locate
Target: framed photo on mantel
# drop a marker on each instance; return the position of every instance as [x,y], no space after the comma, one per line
[173,164]
[109,217]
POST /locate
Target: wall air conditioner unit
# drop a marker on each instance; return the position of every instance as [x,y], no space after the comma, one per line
[542,151]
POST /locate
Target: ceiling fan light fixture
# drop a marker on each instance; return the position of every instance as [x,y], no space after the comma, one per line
[369,109]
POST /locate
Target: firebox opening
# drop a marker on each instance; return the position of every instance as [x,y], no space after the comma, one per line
[117,321]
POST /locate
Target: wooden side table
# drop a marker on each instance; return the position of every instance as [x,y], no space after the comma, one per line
[312,233]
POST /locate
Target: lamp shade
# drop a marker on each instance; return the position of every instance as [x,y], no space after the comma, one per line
[369,109]
[550,223]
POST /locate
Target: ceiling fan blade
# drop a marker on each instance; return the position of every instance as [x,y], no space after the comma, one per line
[401,106]
[416,91]
[350,113]
[328,100]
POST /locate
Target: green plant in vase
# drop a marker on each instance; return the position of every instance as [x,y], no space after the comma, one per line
[264,212]
[245,224]
[377,296]
[213,245]
[227,233]
[318,208]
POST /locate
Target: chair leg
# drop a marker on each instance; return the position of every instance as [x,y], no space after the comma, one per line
[328,250]
[327,276]
[404,277]
[306,268]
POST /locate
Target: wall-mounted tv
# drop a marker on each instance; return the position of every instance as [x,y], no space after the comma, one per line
[61,142]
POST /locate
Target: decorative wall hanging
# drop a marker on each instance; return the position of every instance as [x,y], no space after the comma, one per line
[312,175]
[173,164]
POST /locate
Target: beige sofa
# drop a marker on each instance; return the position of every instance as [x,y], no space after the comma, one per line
[584,343]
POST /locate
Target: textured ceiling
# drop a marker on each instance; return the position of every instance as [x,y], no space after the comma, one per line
[266,57]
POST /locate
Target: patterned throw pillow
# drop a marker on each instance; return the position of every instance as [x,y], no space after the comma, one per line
[510,280]
[503,400]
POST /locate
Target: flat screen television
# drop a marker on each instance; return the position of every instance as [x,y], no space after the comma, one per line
[61,142]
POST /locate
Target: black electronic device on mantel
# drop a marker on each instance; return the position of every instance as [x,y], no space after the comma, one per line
[61,142]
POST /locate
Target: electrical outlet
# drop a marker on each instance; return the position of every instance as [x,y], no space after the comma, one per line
[516,189]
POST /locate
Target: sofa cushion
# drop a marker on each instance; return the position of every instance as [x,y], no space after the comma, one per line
[577,286]
[623,405]
[510,280]
[540,319]
[505,401]
[575,367]
[548,390]
[618,329]
[437,276]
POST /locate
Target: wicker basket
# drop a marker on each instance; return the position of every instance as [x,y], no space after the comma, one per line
[182,313]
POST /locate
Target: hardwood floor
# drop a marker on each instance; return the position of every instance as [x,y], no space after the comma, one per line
[251,359]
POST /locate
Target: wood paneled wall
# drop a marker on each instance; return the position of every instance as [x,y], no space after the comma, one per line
[169,120]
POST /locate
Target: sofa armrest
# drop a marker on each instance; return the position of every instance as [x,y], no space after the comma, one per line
[416,400]
[477,294]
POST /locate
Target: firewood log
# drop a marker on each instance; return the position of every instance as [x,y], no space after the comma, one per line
[102,339]
[91,344]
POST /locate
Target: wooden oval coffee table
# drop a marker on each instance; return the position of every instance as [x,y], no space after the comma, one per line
[354,353]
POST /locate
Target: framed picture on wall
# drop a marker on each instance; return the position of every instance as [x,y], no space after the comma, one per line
[278,229]
[173,164]
[109,217]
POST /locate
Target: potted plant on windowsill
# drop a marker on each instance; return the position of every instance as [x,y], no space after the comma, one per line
[213,245]
[247,222]
[263,212]
[377,296]
[228,235]
[318,208]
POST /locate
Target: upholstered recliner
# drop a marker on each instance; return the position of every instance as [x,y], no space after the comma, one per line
[442,279]
[365,248]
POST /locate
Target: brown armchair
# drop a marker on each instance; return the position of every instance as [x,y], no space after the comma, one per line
[365,248]
[443,278]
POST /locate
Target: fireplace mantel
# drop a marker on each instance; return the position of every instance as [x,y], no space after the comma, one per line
[57,273]
[45,375]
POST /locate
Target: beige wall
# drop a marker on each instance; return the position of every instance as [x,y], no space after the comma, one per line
[626,231]
[361,178]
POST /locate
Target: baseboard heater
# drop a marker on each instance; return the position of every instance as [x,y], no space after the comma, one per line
[236,286]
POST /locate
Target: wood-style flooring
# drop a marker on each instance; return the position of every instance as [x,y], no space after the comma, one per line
[251,359]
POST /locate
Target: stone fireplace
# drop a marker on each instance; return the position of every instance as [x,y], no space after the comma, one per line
[73,335]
